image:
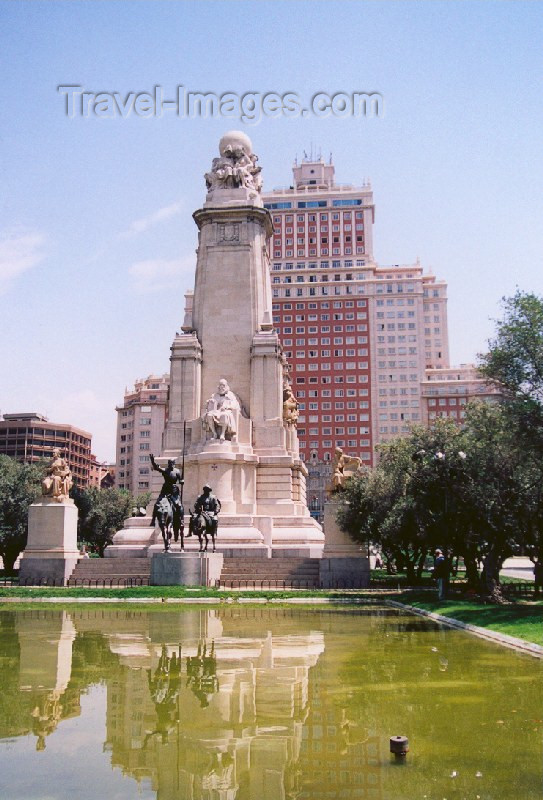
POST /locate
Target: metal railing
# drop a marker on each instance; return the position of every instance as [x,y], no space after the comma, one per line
[519,589]
[95,583]
[267,583]
[289,583]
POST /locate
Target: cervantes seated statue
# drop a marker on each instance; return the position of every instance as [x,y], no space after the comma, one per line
[220,417]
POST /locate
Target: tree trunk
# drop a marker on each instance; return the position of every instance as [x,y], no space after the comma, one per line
[390,564]
[10,557]
[472,573]
[490,579]
[410,571]
[420,565]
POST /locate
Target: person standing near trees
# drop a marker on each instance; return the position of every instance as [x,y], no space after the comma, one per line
[441,574]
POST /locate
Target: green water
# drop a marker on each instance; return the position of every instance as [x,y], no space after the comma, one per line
[262,704]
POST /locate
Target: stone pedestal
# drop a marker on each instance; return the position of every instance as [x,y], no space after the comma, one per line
[185,569]
[338,544]
[51,552]
[345,563]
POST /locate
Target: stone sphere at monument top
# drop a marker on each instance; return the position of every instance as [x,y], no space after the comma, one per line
[235,139]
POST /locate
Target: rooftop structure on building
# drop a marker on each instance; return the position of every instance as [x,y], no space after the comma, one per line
[358,335]
[140,424]
[29,437]
[446,392]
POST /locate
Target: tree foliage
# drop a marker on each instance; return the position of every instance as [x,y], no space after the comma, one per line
[20,485]
[101,513]
[477,491]
[515,356]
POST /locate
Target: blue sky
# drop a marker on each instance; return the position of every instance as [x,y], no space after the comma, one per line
[97,239]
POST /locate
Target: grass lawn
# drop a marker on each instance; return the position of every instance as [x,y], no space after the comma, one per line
[521,619]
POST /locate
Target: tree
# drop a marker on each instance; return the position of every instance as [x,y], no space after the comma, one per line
[515,362]
[20,486]
[515,356]
[469,491]
[499,491]
[101,513]
[412,501]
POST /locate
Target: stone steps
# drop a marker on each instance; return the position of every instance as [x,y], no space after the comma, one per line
[236,572]
[272,572]
[111,571]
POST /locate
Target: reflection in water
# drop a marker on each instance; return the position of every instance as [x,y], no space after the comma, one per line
[202,673]
[226,709]
[236,704]
[37,650]
[164,689]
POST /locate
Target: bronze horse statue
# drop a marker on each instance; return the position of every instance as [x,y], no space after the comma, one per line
[200,527]
[170,519]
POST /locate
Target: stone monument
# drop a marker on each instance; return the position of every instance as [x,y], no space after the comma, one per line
[228,382]
[51,551]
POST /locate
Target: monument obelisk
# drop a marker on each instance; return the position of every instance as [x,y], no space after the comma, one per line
[229,385]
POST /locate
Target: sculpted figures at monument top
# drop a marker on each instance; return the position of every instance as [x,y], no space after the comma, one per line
[58,480]
[221,411]
[236,167]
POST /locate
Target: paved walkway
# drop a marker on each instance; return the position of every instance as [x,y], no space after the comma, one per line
[518,567]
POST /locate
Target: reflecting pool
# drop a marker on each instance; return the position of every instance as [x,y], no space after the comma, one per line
[259,703]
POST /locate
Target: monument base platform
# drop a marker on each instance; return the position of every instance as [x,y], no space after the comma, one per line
[45,570]
[185,569]
[51,552]
[344,573]
[238,535]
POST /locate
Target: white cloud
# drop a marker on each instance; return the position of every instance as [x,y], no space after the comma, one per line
[157,274]
[143,224]
[19,252]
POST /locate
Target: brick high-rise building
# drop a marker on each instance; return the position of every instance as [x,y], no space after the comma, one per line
[30,437]
[140,424]
[358,335]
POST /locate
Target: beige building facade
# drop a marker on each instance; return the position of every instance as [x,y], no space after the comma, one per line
[140,424]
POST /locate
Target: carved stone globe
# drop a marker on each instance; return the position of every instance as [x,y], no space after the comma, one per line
[235,139]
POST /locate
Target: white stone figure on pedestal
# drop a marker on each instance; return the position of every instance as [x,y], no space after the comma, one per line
[51,550]
[58,480]
[221,411]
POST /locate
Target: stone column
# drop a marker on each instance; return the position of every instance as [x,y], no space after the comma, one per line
[185,382]
[230,295]
[267,393]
